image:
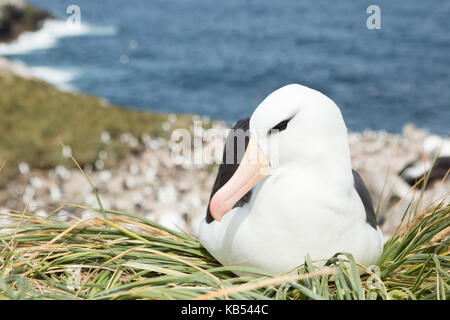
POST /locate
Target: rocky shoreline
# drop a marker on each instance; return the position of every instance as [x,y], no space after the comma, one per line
[17,16]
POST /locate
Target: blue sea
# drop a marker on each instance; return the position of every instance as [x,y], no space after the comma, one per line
[220,58]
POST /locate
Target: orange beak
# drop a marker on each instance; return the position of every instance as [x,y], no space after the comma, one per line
[253,167]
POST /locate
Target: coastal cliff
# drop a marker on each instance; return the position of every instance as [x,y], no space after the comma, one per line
[93,195]
[18,16]
[127,153]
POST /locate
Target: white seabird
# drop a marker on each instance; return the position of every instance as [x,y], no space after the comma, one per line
[433,165]
[300,197]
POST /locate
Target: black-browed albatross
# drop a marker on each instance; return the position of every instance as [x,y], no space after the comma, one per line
[292,192]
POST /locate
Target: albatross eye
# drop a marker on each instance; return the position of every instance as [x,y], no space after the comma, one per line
[281,126]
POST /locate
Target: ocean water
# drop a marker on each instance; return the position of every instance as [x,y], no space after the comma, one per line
[221,58]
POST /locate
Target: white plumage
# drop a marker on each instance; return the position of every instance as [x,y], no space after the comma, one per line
[307,204]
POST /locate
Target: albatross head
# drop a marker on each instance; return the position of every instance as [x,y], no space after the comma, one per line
[293,126]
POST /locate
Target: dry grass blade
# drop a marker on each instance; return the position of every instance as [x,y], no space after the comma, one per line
[2,165]
[129,257]
[265,283]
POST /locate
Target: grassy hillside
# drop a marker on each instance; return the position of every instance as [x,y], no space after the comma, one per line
[36,118]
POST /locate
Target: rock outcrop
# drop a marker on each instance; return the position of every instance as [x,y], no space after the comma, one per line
[17,16]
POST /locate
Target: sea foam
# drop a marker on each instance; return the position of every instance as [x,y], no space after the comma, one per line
[48,36]
[60,78]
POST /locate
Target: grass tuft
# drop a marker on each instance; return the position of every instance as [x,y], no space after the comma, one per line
[130,257]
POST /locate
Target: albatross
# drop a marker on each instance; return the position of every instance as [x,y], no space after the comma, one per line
[290,190]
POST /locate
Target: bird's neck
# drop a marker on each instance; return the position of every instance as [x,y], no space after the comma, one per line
[322,158]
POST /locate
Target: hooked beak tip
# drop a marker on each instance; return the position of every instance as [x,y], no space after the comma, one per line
[214,209]
[252,168]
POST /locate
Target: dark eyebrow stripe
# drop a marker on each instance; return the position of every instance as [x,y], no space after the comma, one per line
[281,126]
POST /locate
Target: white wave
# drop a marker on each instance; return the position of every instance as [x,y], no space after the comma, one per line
[60,78]
[48,36]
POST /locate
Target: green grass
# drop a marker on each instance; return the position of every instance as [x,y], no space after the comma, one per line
[127,256]
[35,118]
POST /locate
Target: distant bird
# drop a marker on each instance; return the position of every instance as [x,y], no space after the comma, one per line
[434,164]
[293,191]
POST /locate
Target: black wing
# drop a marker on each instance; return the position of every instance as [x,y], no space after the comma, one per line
[226,170]
[438,172]
[366,199]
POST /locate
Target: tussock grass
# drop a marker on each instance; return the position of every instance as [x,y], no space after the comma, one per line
[129,257]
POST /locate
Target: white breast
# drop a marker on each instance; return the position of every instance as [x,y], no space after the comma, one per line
[274,234]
